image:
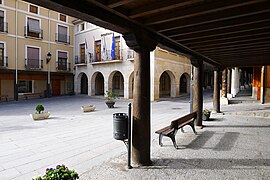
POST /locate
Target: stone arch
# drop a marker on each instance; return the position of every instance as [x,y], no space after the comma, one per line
[116,83]
[167,86]
[83,79]
[97,83]
[184,85]
[131,85]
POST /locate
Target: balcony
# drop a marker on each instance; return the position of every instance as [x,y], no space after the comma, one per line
[33,64]
[81,60]
[130,54]
[106,57]
[62,38]
[4,27]
[38,33]
[4,62]
[62,65]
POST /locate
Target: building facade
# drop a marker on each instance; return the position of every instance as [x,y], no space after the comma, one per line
[104,62]
[36,50]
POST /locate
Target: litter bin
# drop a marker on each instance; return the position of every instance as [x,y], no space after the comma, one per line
[120,126]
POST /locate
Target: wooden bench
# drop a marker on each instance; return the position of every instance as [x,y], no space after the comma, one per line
[4,97]
[171,130]
[27,95]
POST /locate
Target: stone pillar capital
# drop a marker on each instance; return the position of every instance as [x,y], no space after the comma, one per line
[138,40]
[196,62]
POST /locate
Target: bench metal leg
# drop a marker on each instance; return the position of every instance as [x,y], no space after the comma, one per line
[173,140]
[160,140]
[193,127]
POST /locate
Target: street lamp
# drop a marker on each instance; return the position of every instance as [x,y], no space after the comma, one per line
[49,56]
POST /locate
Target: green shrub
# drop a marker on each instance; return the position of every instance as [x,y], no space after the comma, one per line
[61,172]
[39,108]
[111,96]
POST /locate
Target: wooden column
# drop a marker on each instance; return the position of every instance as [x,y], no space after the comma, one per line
[216,95]
[198,89]
[229,81]
[141,133]
[224,83]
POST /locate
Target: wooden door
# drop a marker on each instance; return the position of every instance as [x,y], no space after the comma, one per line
[56,87]
[82,53]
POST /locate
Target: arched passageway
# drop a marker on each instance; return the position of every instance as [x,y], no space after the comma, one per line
[84,84]
[118,83]
[184,83]
[99,84]
[131,85]
[165,85]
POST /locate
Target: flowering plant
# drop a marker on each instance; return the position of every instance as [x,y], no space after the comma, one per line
[61,172]
[207,112]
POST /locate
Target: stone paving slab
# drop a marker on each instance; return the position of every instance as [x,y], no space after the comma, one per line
[228,147]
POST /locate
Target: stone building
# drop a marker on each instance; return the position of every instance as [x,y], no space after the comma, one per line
[29,35]
[104,62]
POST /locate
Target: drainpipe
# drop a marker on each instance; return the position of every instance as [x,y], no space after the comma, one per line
[49,49]
[16,52]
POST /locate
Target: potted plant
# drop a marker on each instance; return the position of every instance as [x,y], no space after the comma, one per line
[110,97]
[40,113]
[88,108]
[60,172]
[206,114]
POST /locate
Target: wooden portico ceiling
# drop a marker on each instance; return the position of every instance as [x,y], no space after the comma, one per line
[227,33]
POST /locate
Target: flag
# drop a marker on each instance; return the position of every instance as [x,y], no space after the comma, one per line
[86,45]
[113,47]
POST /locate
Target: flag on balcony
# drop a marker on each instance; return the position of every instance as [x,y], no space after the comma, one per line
[113,47]
[86,45]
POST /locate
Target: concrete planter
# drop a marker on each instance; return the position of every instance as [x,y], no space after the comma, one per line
[110,104]
[88,108]
[43,115]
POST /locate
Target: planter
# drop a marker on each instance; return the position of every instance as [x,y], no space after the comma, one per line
[110,104]
[88,108]
[206,117]
[36,116]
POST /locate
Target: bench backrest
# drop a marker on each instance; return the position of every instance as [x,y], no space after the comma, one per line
[181,120]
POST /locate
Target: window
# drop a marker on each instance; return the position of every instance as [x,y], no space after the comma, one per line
[32,61]
[62,60]
[63,18]
[33,9]
[117,47]
[2,50]
[82,52]
[3,27]
[62,34]
[1,2]
[82,26]
[98,50]
[25,86]
[33,28]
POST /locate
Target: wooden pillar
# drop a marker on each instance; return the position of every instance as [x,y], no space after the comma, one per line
[198,89]
[216,95]
[229,81]
[224,83]
[141,133]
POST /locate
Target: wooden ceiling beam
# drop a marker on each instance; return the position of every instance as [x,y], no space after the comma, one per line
[117,3]
[200,10]
[235,49]
[238,29]
[253,39]
[227,39]
[217,17]
[160,6]
[245,32]
[247,20]
[256,51]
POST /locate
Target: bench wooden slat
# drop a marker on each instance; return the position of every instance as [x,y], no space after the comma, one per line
[171,130]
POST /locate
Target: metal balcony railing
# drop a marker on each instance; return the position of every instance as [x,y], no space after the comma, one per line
[62,38]
[81,59]
[4,27]
[62,66]
[4,61]
[33,64]
[33,34]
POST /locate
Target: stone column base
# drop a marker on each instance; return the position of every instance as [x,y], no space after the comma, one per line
[224,101]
